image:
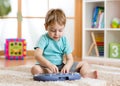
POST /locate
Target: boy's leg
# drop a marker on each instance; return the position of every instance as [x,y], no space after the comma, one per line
[37,69]
[73,68]
[84,69]
[79,67]
[92,74]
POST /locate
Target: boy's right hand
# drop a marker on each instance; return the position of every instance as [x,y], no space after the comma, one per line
[53,68]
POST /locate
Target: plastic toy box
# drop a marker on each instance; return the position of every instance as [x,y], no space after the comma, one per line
[15,49]
[57,77]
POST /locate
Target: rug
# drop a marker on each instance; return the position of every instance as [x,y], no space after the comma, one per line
[21,76]
[108,73]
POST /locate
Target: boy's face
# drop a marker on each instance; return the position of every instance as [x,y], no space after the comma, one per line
[55,31]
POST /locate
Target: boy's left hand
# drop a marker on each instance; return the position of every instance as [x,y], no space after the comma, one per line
[65,69]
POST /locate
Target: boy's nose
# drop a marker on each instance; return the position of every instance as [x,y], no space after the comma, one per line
[56,33]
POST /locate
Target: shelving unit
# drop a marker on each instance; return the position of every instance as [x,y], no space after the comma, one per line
[111,10]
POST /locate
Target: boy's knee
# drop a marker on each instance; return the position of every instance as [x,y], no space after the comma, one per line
[36,70]
[82,63]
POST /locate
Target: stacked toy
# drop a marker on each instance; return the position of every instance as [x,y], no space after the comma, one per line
[15,49]
[99,38]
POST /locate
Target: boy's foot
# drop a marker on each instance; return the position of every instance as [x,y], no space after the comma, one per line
[93,74]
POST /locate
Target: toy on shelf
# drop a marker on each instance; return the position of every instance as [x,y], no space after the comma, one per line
[57,77]
[119,25]
[114,50]
[97,43]
[93,45]
[115,23]
[15,49]
[99,38]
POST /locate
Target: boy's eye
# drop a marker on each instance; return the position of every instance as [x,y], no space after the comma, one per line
[56,30]
[60,30]
[53,30]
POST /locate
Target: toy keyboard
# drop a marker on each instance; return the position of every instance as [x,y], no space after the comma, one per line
[57,77]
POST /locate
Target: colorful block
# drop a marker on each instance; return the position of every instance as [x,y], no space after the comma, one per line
[114,50]
[15,49]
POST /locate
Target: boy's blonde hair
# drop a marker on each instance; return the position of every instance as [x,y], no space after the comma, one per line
[55,16]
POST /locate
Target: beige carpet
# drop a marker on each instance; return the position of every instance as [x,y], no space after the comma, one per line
[21,76]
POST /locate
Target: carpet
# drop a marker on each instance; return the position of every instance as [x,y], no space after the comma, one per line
[21,76]
[108,73]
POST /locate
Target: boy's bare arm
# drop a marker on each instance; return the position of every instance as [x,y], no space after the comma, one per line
[39,57]
[69,60]
[69,63]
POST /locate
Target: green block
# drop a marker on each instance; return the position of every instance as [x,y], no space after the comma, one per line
[114,50]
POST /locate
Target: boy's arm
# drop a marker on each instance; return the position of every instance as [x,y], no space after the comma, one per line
[69,60]
[69,63]
[39,57]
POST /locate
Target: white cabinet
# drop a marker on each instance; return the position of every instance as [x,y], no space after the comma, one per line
[109,34]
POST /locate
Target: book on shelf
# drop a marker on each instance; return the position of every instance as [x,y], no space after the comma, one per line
[98,17]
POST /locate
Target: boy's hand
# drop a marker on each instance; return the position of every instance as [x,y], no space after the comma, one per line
[65,69]
[53,68]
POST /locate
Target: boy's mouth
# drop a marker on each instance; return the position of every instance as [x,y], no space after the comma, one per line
[56,38]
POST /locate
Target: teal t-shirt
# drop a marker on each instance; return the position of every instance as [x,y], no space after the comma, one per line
[54,50]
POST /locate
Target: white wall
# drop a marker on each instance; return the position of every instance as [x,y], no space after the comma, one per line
[33,28]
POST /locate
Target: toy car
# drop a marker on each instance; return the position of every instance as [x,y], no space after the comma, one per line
[57,77]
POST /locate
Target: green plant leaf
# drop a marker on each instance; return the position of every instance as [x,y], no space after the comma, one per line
[5,7]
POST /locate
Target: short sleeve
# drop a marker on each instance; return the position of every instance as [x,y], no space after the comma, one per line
[42,42]
[67,46]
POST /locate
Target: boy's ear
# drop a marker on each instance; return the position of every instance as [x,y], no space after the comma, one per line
[45,26]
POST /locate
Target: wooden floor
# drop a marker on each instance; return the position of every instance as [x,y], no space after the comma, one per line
[8,63]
